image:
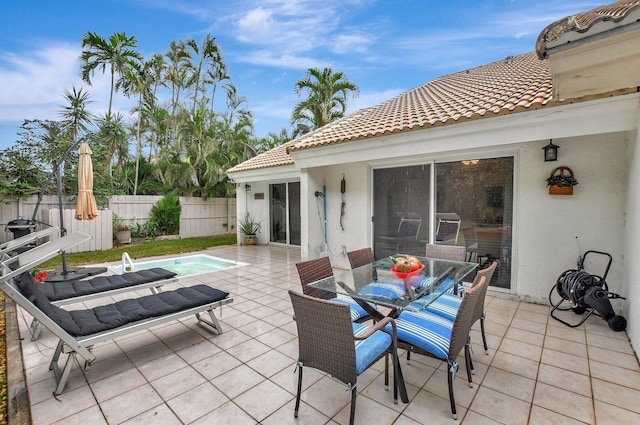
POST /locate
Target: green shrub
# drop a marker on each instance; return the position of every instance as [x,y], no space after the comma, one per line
[151,228]
[166,215]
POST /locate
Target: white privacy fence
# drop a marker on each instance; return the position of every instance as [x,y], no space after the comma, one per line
[198,217]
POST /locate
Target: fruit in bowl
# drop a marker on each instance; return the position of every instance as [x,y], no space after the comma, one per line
[406,264]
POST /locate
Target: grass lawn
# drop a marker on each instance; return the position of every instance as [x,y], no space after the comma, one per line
[141,250]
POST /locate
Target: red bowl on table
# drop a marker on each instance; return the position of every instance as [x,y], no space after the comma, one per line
[403,275]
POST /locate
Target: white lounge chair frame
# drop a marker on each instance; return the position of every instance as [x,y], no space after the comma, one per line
[82,346]
[13,244]
[451,219]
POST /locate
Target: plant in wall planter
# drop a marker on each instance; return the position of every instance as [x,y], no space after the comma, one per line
[250,227]
[561,181]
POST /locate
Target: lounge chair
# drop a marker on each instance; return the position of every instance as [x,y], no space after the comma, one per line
[25,240]
[79,330]
[74,291]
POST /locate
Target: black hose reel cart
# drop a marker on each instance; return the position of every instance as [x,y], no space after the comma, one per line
[586,293]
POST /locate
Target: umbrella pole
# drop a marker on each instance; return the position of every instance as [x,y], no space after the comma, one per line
[65,274]
[63,231]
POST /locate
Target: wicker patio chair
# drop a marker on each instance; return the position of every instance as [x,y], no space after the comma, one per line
[447,305]
[433,335]
[320,268]
[448,252]
[360,257]
[330,342]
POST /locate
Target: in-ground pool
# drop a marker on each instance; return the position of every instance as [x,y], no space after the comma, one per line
[183,266]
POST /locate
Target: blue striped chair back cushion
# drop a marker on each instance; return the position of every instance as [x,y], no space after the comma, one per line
[357,312]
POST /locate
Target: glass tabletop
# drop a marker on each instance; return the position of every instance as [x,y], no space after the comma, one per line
[377,284]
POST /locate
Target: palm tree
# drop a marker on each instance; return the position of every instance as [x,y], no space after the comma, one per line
[139,79]
[113,135]
[327,94]
[75,115]
[273,140]
[207,67]
[117,53]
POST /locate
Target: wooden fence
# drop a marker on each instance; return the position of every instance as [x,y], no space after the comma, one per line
[199,217]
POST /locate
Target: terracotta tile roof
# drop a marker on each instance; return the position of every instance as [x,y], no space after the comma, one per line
[582,23]
[511,85]
[514,84]
[275,157]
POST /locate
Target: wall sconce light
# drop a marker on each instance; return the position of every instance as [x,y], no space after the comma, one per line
[470,161]
[550,152]
[247,187]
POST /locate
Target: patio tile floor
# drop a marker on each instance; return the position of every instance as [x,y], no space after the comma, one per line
[538,371]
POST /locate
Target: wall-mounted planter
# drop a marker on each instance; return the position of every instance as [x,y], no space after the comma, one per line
[561,181]
[557,190]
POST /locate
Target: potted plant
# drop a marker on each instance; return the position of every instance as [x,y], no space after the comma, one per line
[250,227]
[121,230]
[561,181]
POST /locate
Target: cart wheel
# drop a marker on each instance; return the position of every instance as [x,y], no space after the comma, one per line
[617,323]
[578,310]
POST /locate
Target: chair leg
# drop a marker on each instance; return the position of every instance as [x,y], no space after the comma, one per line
[396,372]
[450,376]
[386,372]
[484,336]
[295,411]
[469,364]
[354,393]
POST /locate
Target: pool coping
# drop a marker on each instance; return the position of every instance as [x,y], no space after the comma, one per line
[118,268]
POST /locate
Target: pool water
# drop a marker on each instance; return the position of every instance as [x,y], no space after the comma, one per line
[184,266]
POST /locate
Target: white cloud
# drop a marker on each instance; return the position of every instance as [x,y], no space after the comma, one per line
[350,43]
[367,99]
[280,59]
[34,82]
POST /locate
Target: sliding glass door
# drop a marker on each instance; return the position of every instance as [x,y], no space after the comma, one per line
[473,208]
[401,209]
[284,213]
[480,193]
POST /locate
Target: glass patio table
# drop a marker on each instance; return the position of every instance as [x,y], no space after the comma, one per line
[376,284]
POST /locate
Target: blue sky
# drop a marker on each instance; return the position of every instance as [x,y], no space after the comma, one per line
[385,47]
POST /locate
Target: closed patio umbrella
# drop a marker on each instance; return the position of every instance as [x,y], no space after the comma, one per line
[86,208]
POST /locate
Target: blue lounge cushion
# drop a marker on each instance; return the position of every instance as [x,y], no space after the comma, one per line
[74,288]
[102,318]
[357,312]
[367,350]
[424,330]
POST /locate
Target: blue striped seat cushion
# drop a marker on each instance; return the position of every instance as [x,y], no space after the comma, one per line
[357,312]
[384,290]
[460,289]
[424,330]
[369,349]
[446,305]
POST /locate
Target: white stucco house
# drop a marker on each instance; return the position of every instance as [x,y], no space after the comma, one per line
[470,145]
